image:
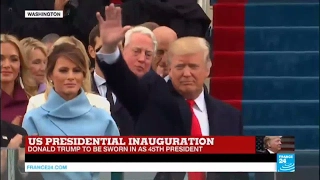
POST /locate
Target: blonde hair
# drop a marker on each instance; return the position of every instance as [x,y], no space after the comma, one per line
[27,82]
[30,44]
[73,41]
[190,45]
[267,139]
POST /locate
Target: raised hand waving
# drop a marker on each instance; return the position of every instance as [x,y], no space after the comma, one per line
[111,30]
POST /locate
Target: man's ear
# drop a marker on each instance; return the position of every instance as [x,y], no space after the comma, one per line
[92,52]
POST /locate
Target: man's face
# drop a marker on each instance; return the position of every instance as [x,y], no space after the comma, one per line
[139,53]
[161,58]
[49,46]
[93,50]
[275,144]
[188,73]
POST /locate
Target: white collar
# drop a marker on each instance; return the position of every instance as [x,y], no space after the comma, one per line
[98,79]
[200,102]
[271,152]
[167,78]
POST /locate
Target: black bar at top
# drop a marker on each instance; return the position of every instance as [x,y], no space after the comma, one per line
[151,158]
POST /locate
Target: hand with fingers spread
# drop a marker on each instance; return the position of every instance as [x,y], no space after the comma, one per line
[111,30]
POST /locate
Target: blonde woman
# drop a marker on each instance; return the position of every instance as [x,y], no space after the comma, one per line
[68,110]
[36,60]
[16,83]
[95,100]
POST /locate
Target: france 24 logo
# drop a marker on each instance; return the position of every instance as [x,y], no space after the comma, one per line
[286,163]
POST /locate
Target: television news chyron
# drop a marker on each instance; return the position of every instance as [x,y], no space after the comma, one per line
[153,154]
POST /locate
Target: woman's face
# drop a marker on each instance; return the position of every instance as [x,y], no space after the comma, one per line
[10,62]
[67,78]
[37,65]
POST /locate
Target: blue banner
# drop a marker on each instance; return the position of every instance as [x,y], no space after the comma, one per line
[286,162]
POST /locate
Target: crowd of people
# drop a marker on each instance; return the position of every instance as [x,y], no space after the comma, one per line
[130,80]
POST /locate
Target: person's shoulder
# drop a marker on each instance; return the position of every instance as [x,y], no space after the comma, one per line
[151,77]
[101,114]
[262,151]
[98,101]
[222,106]
[33,114]
[39,98]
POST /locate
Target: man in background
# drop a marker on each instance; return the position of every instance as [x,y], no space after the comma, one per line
[118,112]
[138,46]
[272,144]
[165,36]
[150,25]
[179,107]
[49,39]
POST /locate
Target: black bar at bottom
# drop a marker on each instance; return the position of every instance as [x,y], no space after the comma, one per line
[151,158]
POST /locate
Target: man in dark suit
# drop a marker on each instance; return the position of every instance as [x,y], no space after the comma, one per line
[118,112]
[179,107]
[165,37]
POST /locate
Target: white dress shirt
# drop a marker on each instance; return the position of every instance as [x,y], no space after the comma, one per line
[200,108]
[167,78]
[101,87]
[271,152]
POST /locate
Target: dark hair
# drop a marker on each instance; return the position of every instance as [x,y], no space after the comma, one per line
[69,51]
[93,34]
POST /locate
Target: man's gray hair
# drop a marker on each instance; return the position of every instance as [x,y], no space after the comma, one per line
[50,38]
[142,30]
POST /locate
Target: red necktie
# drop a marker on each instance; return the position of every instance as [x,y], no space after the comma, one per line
[195,131]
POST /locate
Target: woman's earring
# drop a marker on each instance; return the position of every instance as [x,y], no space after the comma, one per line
[51,81]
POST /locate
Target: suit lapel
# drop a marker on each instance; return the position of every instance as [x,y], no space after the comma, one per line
[117,106]
[94,85]
[183,108]
[212,115]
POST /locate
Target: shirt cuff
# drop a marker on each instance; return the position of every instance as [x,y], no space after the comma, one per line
[109,58]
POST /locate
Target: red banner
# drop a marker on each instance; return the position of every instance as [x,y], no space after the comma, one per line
[140,145]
